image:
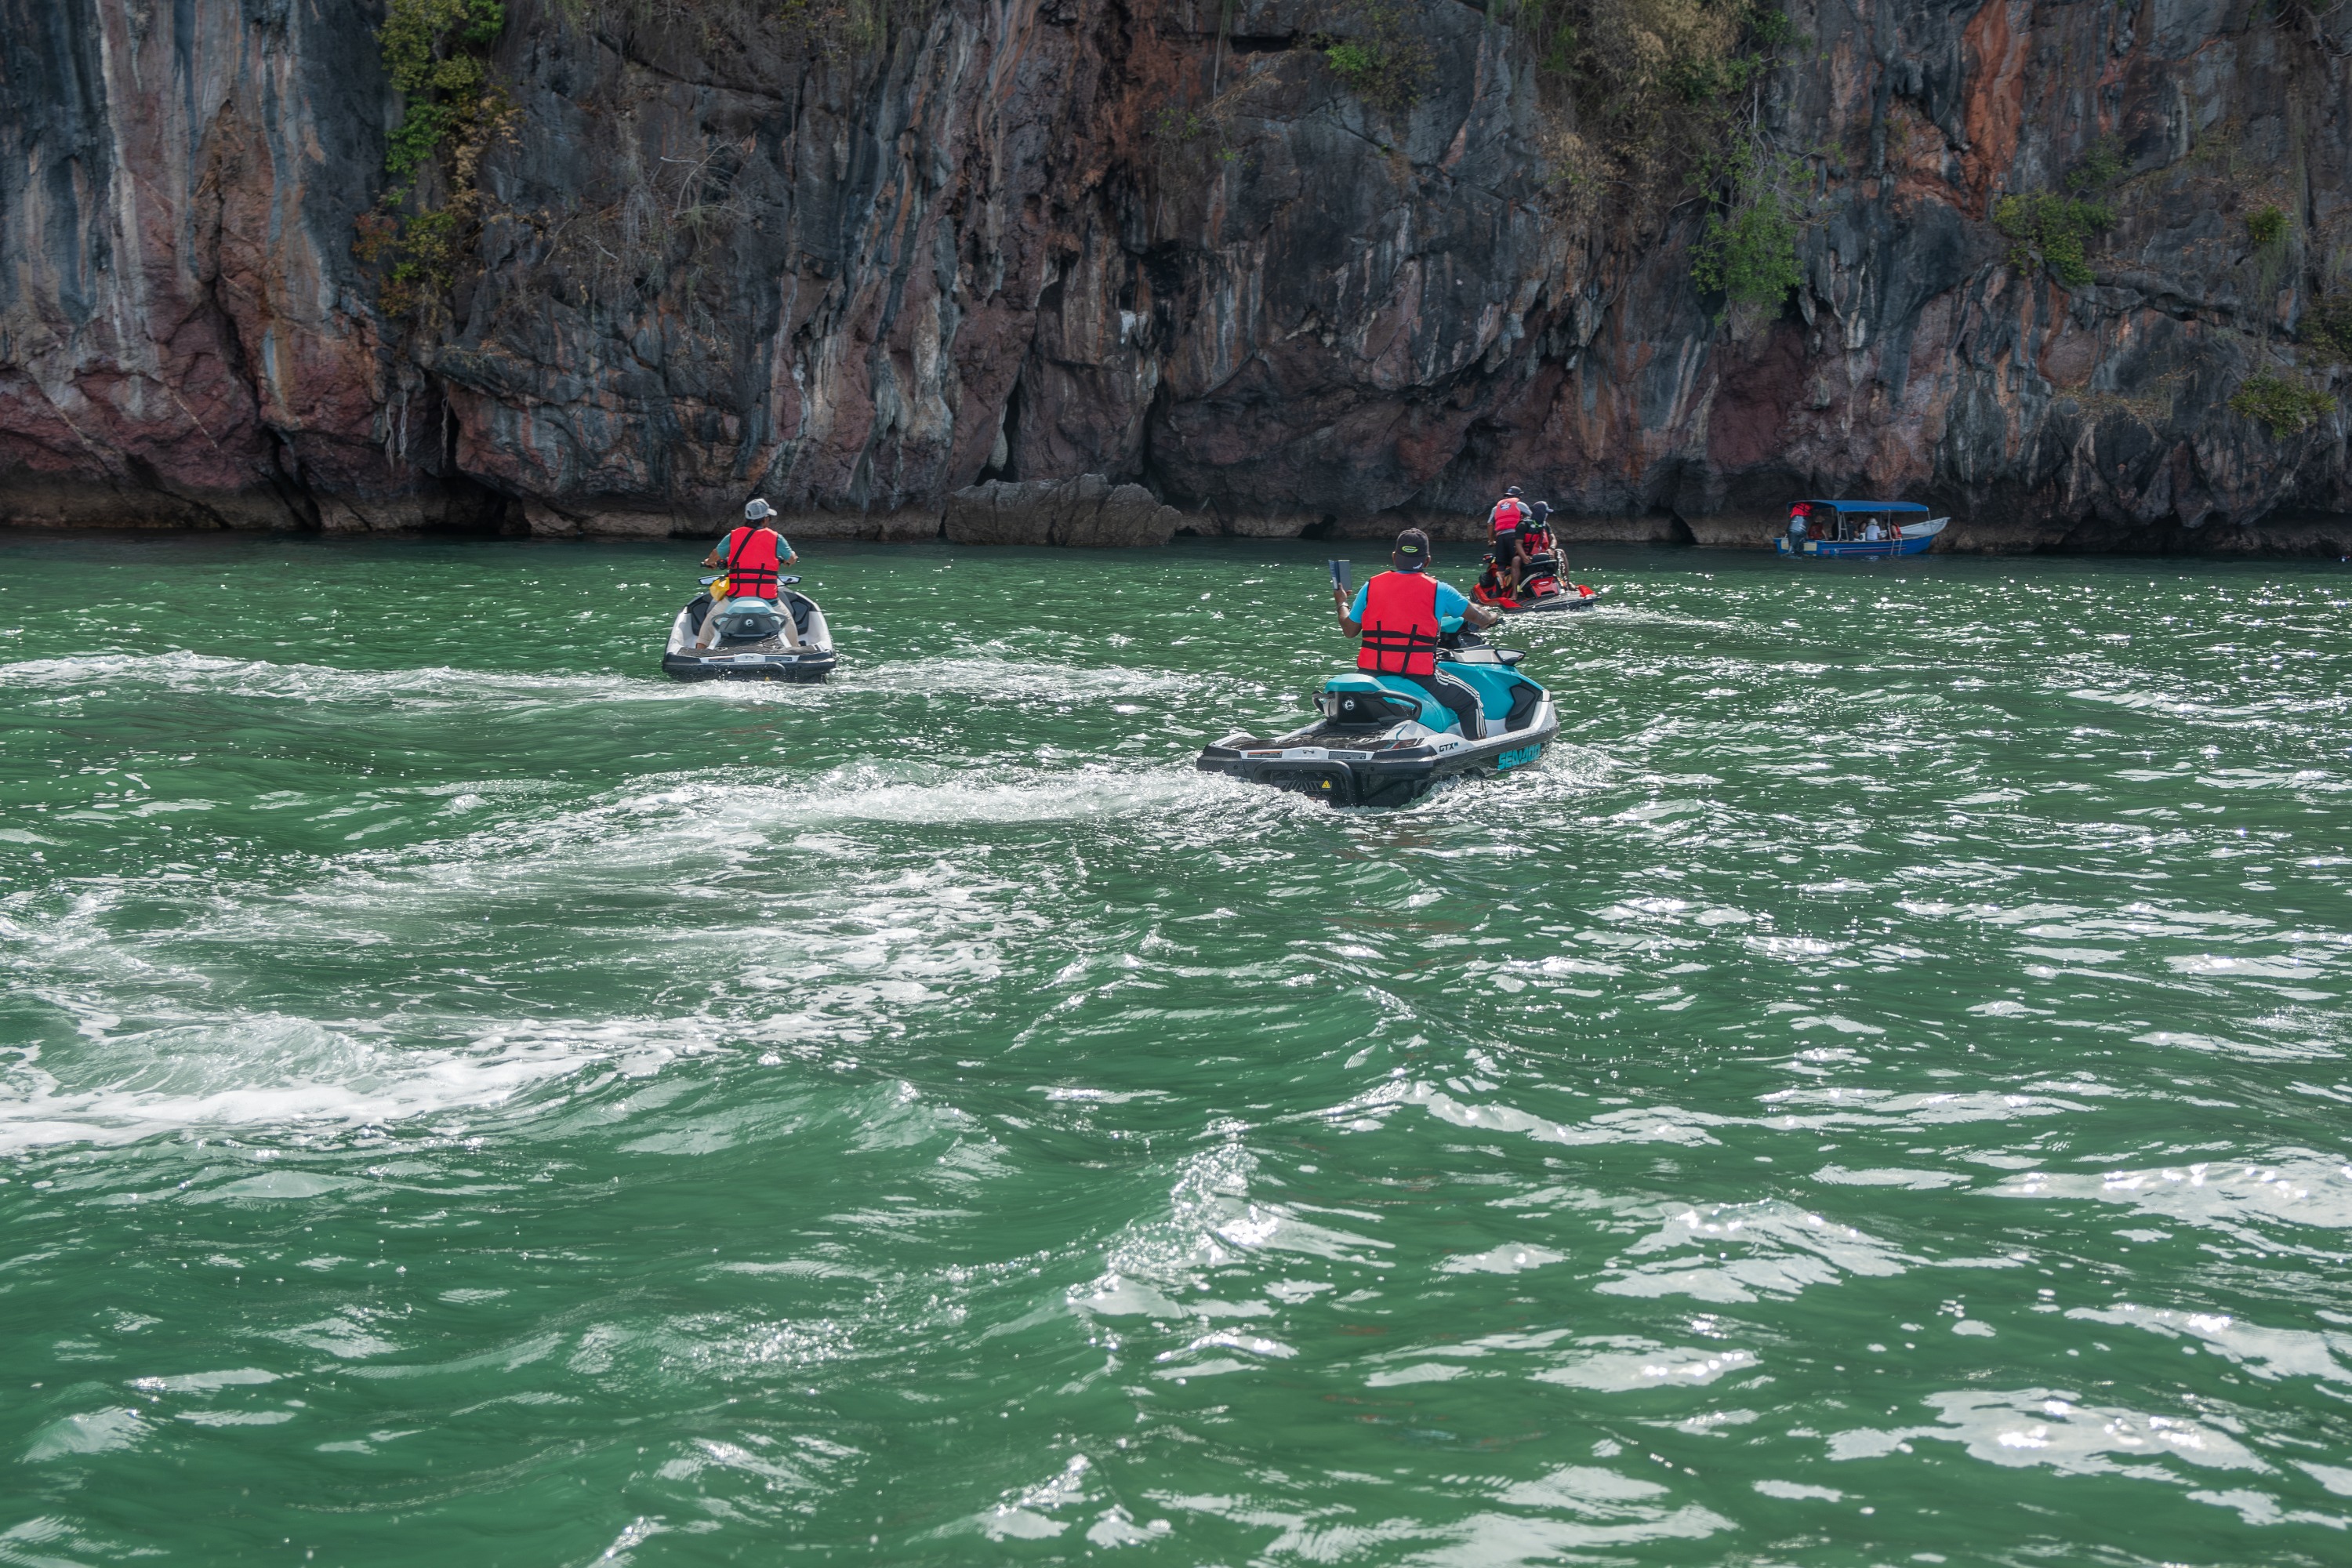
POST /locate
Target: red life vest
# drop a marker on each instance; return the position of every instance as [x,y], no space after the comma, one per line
[1400,623]
[1509,514]
[752,564]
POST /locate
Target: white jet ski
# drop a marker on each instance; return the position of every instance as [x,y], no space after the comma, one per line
[759,639]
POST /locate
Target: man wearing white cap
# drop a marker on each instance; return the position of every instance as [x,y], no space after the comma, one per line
[751,556]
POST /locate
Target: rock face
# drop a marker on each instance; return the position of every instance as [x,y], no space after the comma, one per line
[1027,270]
[1086,511]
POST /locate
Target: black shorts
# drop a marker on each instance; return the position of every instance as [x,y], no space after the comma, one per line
[1507,544]
[1455,694]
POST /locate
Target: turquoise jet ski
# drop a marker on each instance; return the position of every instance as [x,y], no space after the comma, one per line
[1380,741]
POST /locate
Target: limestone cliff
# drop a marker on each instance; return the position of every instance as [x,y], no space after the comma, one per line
[1164,242]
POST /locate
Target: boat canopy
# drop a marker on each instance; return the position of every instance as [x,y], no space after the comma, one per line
[1869,505]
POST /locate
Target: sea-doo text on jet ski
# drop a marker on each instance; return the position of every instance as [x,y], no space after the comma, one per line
[1383,740]
[755,641]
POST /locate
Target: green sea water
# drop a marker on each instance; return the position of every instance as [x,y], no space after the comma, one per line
[1875,1093]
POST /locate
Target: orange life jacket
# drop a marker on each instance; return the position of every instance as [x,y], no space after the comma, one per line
[752,564]
[1400,623]
[1509,514]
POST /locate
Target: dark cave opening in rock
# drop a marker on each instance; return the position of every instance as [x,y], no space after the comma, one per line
[1677,530]
[1000,464]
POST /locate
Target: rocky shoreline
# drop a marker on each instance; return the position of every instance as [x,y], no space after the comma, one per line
[1091,512]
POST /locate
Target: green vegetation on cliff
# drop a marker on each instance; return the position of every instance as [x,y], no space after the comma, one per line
[2284,407]
[1666,98]
[436,52]
[1380,57]
[2047,229]
[1747,251]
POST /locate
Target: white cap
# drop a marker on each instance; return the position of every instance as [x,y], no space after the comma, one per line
[754,511]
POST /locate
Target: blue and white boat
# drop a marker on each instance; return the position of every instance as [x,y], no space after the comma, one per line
[1857,528]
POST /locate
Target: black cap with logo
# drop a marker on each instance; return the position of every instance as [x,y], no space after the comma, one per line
[1412,550]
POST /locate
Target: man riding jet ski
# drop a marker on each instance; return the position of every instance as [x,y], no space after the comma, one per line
[1428,699]
[749,626]
[1400,615]
[1504,523]
[1522,572]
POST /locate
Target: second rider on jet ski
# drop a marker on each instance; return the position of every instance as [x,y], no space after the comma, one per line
[1400,615]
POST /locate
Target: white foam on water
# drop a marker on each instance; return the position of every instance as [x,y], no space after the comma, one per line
[437,685]
[2054,1428]
[1617,1363]
[949,794]
[1213,1221]
[92,1432]
[270,1074]
[2178,705]
[2300,1187]
[1018,680]
[2265,1353]
[679,826]
[813,944]
[1738,1252]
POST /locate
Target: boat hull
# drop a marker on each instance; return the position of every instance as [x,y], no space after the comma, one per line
[1917,540]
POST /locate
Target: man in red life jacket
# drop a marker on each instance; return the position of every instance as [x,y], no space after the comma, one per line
[1510,515]
[753,557]
[1400,615]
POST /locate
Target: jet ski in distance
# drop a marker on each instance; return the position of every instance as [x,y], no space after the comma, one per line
[755,641]
[1380,741]
[1540,587]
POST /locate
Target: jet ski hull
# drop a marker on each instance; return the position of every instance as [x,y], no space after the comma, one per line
[1550,602]
[809,659]
[1324,766]
[1378,742]
[720,665]
[1574,597]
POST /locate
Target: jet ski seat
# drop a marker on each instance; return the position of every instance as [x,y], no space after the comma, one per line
[1508,697]
[1374,702]
[758,619]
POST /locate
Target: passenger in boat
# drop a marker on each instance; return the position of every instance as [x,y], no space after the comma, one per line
[1400,614]
[1874,534]
[751,556]
[1796,515]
